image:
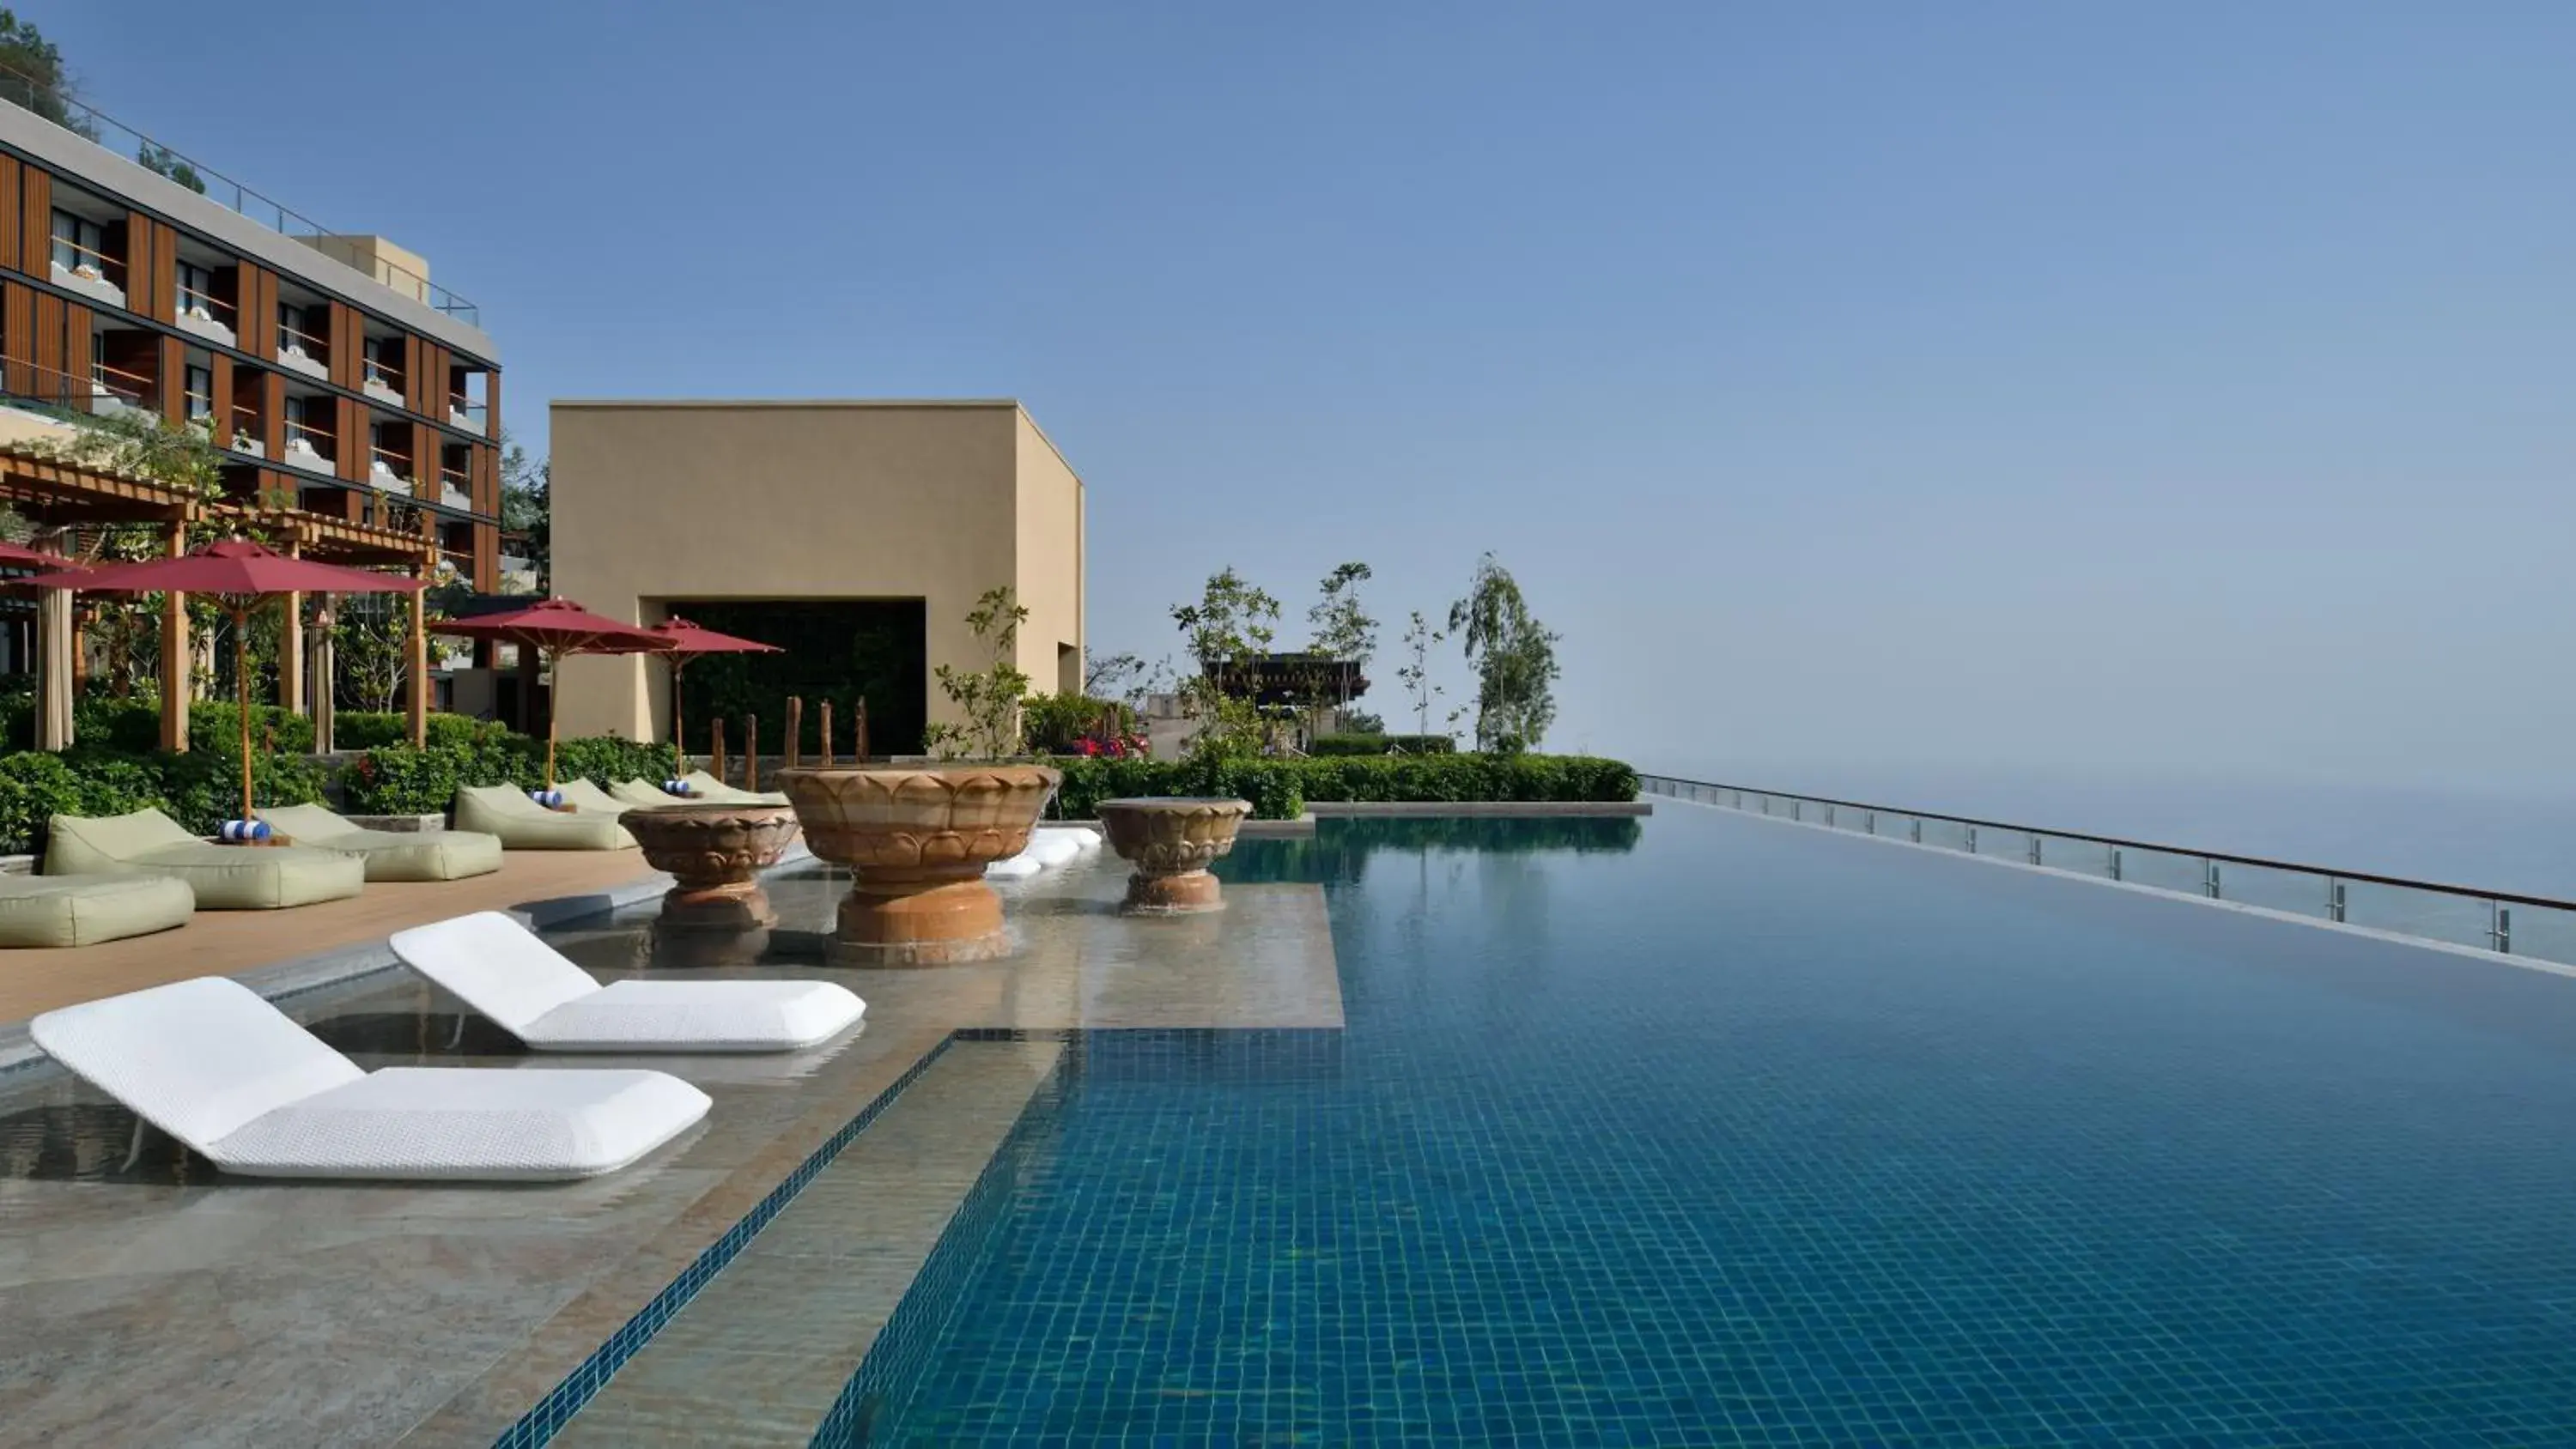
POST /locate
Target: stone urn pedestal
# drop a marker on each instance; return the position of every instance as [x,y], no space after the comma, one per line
[1171,842]
[916,841]
[716,854]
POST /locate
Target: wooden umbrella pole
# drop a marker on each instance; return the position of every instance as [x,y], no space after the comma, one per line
[679,740]
[241,684]
[553,689]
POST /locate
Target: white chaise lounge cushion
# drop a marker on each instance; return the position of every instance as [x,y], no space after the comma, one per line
[212,1064]
[502,970]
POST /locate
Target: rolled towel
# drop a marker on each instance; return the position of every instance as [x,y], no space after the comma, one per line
[238,830]
[548,798]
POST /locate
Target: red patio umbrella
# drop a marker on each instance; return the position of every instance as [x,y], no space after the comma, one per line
[555,628]
[239,574]
[688,640]
[19,556]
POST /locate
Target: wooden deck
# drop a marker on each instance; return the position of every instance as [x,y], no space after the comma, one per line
[222,943]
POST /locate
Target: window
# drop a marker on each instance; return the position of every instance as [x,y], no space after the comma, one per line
[78,243]
[201,394]
[295,414]
[196,287]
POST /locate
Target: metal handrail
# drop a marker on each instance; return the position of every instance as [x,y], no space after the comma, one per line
[2499,928]
[22,90]
[390,378]
[309,432]
[318,351]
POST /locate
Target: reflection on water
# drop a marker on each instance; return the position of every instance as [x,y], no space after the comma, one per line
[1339,851]
[93,1142]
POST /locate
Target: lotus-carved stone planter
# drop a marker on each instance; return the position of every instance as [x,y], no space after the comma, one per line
[1171,842]
[916,842]
[716,854]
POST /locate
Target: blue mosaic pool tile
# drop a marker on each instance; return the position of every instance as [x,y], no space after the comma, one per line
[1743,1135]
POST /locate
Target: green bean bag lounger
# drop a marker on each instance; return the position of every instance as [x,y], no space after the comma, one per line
[523,824]
[392,854]
[716,792]
[83,910]
[589,799]
[224,877]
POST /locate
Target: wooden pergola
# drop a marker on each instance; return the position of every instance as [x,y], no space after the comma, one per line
[60,498]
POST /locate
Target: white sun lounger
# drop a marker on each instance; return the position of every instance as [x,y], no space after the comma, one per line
[502,970]
[212,1064]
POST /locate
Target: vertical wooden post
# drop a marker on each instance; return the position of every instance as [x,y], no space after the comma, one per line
[859,731]
[715,748]
[417,652]
[795,728]
[58,644]
[290,643]
[751,752]
[176,656]
[827,734]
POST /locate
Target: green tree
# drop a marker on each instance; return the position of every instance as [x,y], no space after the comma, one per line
[1419,640]
[170,163]
[1343,629]
[1225,631]
[988,697]
[1102,674]
[32,76]
[1514,657]
[527,507]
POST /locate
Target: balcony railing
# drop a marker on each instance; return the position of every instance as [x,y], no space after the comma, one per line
[247,437]
[91,124]
[304,345]
[192,301]
[320,447]
[379,375]
[2498,921]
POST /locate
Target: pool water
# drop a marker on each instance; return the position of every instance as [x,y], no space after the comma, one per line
[1710,1130]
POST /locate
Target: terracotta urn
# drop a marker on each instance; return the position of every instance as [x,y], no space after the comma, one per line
[1171,842]
[716,853]
[916,841]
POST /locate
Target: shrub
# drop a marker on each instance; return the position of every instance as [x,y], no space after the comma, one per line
[399,780]
[1329,746]
[604,760]
[36,786]
[1435,779]
[203,787]
[1271,785]
[213,726]
[126,726]
[1056,724]
[1281,789]
[368,729]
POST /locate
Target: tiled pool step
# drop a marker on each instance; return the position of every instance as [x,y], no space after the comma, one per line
[762,1351]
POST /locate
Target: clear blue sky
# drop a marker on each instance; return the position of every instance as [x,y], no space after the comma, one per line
[2180,387]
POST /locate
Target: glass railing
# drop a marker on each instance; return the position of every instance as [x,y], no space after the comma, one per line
[2500,921]
[91,124]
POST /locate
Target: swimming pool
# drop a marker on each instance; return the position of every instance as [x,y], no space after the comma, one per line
[1713,1130]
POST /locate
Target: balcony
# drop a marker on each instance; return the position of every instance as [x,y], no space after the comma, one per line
[453,492]
[304,352]
[466,414]
[384,384]
[82,269]
[518,574]
[207,318]
[389,473]
[310,448]
[114,390]
[246,434]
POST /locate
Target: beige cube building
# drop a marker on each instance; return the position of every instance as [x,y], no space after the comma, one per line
[800,508]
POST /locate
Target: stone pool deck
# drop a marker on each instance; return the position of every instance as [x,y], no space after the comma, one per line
[153,1301]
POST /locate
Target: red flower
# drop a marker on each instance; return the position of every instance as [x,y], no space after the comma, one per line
[1090,746]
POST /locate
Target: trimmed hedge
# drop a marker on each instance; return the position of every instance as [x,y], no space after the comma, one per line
[1336,745]
[399,780]
[1280,789]
[197,789]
